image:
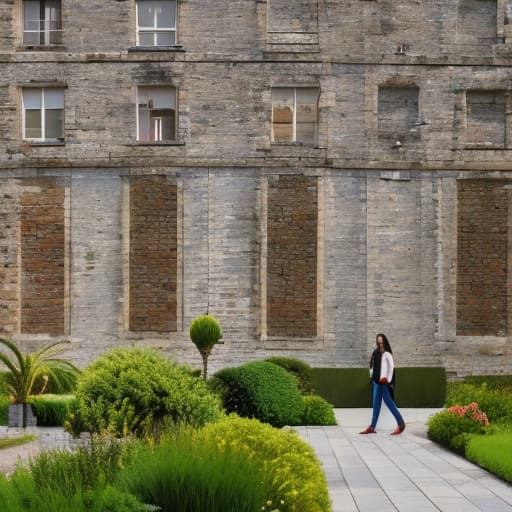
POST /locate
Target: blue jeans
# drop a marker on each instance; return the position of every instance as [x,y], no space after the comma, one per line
[381,392]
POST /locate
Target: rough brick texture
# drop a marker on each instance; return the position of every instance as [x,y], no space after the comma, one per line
[153,254]
[486,115]
[482,255]
[42,257]
[292,221]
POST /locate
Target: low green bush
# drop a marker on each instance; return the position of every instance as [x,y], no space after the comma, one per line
[131,390]
[492,453]
[300,369]
[317,411]
[52,410]
[188,476]
[4,410]
[496,403]
[264,391]
[502,382]
[455,427]
[298,482]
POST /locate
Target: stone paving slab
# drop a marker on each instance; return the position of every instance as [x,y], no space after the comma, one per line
[408,473]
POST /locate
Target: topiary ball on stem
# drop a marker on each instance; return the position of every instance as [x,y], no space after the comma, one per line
[205,332]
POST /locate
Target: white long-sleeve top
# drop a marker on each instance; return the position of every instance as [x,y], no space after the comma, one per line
[387,366]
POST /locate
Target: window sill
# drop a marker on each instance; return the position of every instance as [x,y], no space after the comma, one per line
[484,146]
[296,145]
[45,143]
[150,143]
[175,48]
[42,48]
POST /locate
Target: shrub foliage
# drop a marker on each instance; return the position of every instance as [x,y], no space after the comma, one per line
[298,482]
[262,390]
[317,411]
[130,390]
[300,369]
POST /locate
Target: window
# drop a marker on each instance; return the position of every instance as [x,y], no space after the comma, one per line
[43,114]
[156,114]
[295,114]
[486,118]
[41,22]
[156,23]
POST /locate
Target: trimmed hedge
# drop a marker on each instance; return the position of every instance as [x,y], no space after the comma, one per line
[52,410]
[317,411]
[351,387]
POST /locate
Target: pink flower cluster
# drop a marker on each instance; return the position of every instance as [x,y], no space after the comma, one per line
[471,411]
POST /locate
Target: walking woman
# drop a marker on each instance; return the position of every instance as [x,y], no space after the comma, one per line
[381,368]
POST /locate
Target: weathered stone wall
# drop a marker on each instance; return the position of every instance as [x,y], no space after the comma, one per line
[390,223]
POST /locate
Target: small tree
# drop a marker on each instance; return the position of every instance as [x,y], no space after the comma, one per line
[205,332]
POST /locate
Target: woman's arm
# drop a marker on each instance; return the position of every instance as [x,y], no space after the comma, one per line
[386,369]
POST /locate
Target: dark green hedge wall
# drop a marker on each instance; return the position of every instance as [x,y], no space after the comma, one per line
[351,387]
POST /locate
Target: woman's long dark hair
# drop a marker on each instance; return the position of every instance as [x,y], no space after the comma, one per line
[387,346]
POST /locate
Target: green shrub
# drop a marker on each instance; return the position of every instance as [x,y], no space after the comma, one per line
[317,411]
[300,369]
[501,382]
[188,476]
[4,410]
[52,410]
[264,391]
[496,403]
[452,430]
[492,453]
[205,332]
[131,391]
[298,482]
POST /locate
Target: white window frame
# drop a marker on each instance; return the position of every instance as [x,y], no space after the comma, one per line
[294,113]
[43,111]
[154,28]
[47,31]
[157,120]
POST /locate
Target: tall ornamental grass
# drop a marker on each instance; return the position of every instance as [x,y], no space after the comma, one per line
[186,476]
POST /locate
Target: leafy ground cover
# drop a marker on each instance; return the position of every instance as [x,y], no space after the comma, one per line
[478,423]
[16,441]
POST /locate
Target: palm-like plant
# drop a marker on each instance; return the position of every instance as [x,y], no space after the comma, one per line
[27,371]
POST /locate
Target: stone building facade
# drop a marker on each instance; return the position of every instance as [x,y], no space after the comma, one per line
[311,172]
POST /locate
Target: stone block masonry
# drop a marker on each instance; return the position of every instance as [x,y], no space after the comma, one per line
[300,249]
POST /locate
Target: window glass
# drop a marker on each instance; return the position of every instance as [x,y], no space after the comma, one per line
[282,114]
[156,113]
[32,98]
[165,16]
[54,124]
[33,124]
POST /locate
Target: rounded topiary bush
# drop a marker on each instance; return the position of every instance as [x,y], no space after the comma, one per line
[131,390]
[300,369]
[317,411]
[264,391]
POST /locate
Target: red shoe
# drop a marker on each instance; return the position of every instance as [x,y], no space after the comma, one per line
[368,430]
[398,430]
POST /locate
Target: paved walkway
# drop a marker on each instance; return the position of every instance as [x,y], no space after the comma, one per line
[380,473]
[374,473]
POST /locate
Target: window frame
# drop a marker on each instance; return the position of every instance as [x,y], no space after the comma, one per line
[42,139]
[295,88]
[171,88]
[46,32]
[156,29]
